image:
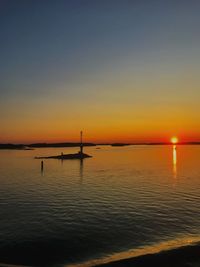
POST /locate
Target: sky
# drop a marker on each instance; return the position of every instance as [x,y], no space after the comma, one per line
[120,70]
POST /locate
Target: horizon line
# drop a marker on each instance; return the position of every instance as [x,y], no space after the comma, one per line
[98,143]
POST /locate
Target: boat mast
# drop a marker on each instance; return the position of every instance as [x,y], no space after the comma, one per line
[81,142]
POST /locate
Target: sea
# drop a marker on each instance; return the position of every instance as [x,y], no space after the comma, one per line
[121,202]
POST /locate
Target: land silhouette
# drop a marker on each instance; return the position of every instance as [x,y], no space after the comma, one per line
[80,155]
[72,144]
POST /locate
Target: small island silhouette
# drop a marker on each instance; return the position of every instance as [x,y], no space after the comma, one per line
[120,144]
[79,155]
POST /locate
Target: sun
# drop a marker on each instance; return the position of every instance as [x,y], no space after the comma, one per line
[174,140]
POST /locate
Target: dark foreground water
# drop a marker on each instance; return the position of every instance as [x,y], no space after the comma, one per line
[123,202]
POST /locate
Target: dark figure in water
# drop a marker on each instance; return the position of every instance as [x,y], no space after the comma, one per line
[42,166]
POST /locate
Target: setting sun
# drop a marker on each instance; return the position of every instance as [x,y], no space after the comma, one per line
[174,140]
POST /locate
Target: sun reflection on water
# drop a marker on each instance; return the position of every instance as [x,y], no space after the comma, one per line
[174,161]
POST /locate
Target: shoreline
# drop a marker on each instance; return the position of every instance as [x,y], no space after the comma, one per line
[188,255]
[173,253]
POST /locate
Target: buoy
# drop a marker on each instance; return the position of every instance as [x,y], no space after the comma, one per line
[42,165]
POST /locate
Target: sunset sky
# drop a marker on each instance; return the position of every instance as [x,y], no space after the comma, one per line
[121,71]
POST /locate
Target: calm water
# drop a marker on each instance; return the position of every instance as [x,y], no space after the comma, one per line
[121,200]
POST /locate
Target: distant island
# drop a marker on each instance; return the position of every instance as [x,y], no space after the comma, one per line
[70,144]
[120,144]
[14,146]
[42,145]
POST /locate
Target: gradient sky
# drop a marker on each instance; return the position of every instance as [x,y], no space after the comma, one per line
[119,70]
